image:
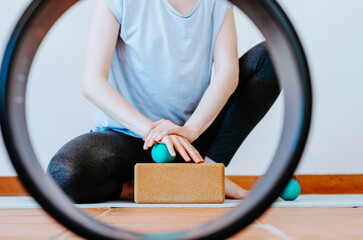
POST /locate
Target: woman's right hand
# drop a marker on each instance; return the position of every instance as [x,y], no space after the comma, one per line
[183,146]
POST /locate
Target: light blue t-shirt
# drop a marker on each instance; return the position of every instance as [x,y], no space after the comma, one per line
[162,64]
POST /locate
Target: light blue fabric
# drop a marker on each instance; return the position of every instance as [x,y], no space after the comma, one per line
[163,61]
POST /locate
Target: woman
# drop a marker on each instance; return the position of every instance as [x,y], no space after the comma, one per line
[148,67]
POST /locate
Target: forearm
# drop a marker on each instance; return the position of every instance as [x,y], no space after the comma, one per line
[111,102]
[213,100]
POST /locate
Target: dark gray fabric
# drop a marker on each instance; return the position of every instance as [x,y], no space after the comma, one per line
[257,90]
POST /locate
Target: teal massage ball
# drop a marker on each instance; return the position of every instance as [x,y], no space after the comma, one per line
[292,191]
[160,154]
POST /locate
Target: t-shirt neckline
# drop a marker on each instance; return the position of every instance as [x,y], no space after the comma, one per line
[173,10]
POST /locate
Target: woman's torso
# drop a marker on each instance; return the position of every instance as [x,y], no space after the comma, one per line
[163,60]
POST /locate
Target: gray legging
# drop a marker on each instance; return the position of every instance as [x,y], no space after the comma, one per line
[93,166]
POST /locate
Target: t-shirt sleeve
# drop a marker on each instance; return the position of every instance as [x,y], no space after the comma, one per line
[116,6]
[220,9]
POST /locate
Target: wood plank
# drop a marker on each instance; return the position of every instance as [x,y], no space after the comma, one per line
[331,184]
[316,223]
[310,184]
[159,220]
[276,223]
[12,186]
[315,184]
[33,224]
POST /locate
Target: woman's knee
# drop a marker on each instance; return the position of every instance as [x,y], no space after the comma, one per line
[66,174]
[257,73]
[257,61]
[92,164]
[74,167]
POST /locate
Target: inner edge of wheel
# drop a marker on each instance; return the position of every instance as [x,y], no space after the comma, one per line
[18,137]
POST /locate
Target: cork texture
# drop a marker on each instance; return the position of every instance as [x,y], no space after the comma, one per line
[179,183]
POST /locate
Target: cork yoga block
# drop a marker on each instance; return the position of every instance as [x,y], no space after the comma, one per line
[179,183]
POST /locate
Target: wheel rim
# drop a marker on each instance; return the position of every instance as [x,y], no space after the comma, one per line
[291,66]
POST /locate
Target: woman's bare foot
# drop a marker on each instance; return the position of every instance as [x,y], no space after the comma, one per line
[127,190]
[234,191]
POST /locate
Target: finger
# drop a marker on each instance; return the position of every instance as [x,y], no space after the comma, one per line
[170,128]
[149,130]
[146,138]
[192,151]
[144,146]
[152,137]
[168,131]
[162,124]
[179,147]
[163,134]
[145,143]
[152,126]
[169,145]
[159,126]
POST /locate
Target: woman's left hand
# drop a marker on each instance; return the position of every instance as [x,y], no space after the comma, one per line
[164,127]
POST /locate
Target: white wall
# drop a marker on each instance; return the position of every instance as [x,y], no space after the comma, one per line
[332,37]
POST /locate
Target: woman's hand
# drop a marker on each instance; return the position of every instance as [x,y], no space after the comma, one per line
[162,128]
[183,146]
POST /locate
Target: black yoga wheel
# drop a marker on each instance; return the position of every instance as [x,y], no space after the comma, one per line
[293,74]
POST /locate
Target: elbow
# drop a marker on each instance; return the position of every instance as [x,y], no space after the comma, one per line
[86,93]
[91,85]
[87,90]
[228,79]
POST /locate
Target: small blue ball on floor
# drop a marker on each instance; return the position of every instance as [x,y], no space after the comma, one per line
[160,154]
[292,191]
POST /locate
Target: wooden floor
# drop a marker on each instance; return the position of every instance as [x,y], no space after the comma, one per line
[277,223]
